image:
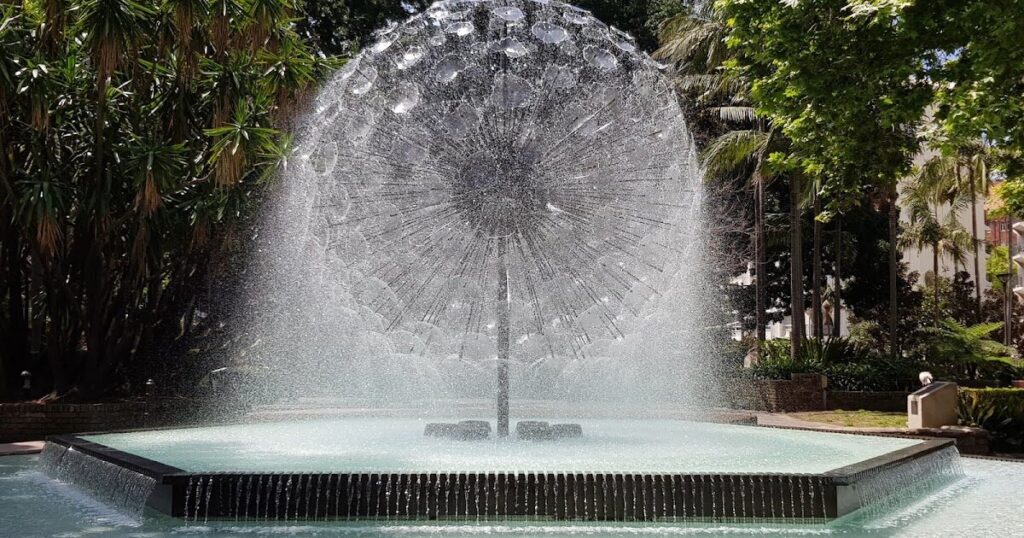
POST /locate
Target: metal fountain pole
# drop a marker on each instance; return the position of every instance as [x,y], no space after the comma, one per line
[503,309]
[503,337]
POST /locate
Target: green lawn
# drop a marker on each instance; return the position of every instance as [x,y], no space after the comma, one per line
[855,419]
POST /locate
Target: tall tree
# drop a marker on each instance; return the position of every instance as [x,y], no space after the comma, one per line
[842,80]
[799,325]
[926,193]
[816,272]
[693,42]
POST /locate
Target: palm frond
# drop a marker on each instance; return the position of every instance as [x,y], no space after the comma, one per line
[735,113]
[727,153]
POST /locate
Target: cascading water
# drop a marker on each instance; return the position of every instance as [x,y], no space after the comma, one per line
[117,486]
[885,489]
[504,187]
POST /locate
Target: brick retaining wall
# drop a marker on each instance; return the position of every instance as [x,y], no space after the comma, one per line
[803,392]
[807,392]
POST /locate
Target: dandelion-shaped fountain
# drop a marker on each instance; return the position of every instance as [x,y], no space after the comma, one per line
[506,181]
[491,171]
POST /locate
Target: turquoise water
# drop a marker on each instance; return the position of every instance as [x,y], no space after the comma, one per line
[986,503]
[398,445]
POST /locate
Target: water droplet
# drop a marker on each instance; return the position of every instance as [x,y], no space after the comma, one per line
[363,79]
[600,58]
[450,67]
[577,16]
[559,76]
[510,14]
[461,121]
[329,111]
[626,46]
[512,47]
[409,153]
[511,91]
[382,46]
[461,29]
[437,13]
[411,57]
[324,158]
[550,33]
[358,126]
[407,97]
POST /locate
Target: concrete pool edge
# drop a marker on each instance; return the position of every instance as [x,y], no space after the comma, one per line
[819,497]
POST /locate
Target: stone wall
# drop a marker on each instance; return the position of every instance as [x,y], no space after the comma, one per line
[31,421]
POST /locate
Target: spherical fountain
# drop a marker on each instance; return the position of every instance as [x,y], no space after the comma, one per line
[503,186]
[498,197]
[499,173]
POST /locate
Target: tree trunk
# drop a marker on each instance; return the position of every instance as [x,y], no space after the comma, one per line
[837,295]
[974,238]
[796,268]
[761,256]
[16,333]
[894,227]
[935,281]
[1008,317]
[816,313]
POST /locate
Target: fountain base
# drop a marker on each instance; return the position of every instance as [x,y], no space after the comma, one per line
[525,495]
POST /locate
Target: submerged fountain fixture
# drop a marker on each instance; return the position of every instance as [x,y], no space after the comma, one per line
[506,183]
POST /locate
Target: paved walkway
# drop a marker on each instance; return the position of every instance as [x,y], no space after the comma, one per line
[19,449]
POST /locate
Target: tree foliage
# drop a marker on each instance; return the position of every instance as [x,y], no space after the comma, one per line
[844,84]
[963,350]
[135,141]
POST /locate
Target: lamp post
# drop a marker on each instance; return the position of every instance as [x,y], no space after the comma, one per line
[1004,279]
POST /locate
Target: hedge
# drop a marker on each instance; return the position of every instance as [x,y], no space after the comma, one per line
[1000,411]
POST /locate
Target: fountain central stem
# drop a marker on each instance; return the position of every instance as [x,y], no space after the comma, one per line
[503,337]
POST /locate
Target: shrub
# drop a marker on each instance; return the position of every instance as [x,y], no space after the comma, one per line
[848,366]
[1000,411]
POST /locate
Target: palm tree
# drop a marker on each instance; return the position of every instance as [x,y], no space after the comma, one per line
[733,153]
[958,176]
[816,270]
[113,29]
[796,272]
[95,263]
[926,192]
[694,43]
[972,176]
